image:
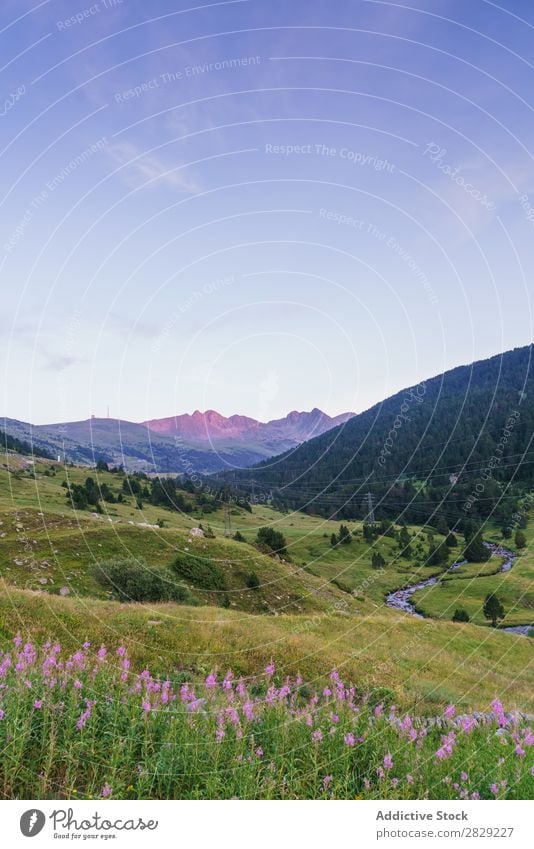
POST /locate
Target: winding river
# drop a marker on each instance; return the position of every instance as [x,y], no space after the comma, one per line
[403,599]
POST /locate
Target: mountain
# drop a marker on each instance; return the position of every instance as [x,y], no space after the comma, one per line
[200,443]
[213,429]
[456,446]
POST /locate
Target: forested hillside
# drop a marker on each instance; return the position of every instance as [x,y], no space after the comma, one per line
[455,446]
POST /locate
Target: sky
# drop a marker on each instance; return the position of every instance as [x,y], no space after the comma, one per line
[257,207]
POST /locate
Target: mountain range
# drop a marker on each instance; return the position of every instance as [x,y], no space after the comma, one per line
[199,443]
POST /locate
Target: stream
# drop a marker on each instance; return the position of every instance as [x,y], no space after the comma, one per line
[403,599]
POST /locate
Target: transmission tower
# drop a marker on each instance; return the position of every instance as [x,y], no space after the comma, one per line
[370,508]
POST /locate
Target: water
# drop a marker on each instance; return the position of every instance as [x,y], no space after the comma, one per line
[402,599]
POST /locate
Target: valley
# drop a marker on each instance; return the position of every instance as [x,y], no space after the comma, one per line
[320,606]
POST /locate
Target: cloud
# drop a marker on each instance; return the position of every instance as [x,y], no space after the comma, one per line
[146,169]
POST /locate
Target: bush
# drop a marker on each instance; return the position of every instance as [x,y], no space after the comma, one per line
[520,539]
[273,540]
[131,579]
[252,581]
[199,571]
[460,615]
[238,536]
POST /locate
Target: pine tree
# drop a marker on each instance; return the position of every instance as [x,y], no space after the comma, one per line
[377,561]
[344,535]
[493,609]
[475,550]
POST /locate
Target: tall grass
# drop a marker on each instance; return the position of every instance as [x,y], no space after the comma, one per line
[86,725]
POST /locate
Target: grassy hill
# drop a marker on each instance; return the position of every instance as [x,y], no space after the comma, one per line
[320,608]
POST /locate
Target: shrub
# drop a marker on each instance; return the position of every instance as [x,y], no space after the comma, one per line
[520,539]
[460,615]
[275,541]
[252,581]
[132,579]
[199,571]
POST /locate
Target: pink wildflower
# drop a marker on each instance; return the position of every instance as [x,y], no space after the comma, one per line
[270,669]
[106,791]
[317,736]
[449,712]
[495,789]
[388,761]
[259,752]
[211,681]
[520,752]
[327,780]
[38,703]
[349,739]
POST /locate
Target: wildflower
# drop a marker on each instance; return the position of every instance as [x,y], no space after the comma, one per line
[367,784]
[220,734]
[2,714]
[270,669]
[106,791]
[475,795]
[467,724]
[409,779]
[349,739]
[77,684]
[388,761]
[447,744]
[494,789]
[378,709]
[317,736]
[211,681]
[327,692]
[227,683]
[394,782]
[327,780]
[464,776]
[334,718]
[520,752]
[449,712]
[121,651]
[259,752]
[101,653]
[248,711]
[38,703]
[145,704]
[406,724]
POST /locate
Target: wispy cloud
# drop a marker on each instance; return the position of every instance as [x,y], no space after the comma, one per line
[141,169]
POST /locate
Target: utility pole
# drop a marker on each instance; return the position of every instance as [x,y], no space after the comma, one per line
[370,508]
